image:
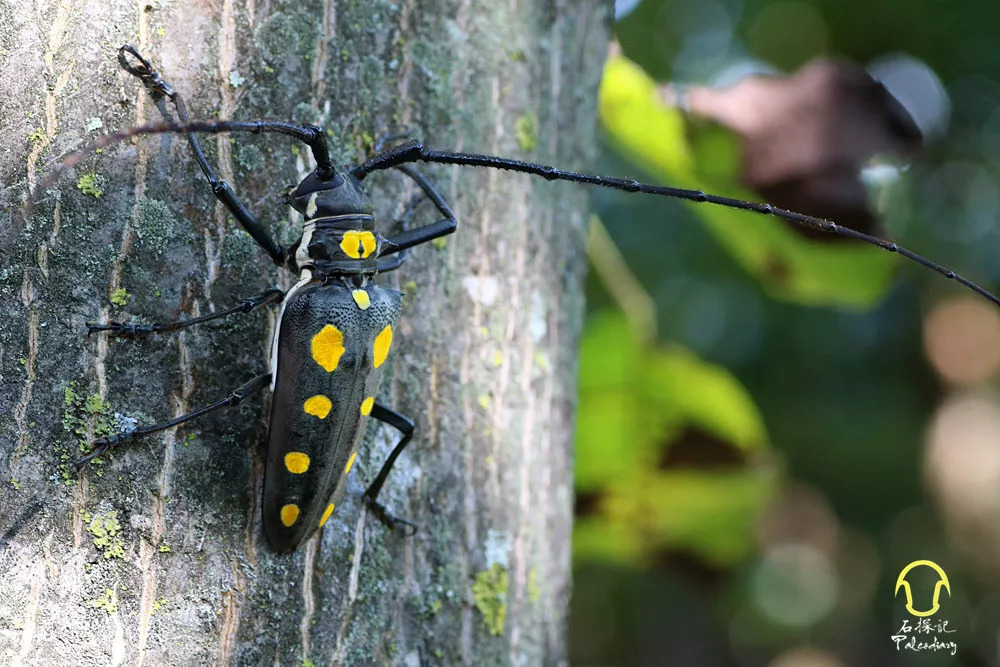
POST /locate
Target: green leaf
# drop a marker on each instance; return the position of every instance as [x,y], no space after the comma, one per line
[638,401]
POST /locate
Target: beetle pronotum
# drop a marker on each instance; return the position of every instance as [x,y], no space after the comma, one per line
[336,324]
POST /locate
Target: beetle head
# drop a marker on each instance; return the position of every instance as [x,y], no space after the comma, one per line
[341,195]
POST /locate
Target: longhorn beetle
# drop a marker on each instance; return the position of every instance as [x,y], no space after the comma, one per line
[336,325]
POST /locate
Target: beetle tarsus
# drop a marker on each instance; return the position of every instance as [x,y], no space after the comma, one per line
[98,447]
[145,71]
[392,522]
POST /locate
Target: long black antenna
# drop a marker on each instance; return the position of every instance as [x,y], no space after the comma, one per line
[311,135]
[414,151]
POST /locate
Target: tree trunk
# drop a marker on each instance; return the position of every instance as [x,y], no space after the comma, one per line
[155,556]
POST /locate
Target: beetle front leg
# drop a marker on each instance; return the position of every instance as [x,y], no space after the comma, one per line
[159,88]
[405,426]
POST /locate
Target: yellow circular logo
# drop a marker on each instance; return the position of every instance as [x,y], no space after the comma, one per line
[901,582]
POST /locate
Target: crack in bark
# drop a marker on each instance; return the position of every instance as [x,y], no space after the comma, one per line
[308,597]
[229,622]
[340,650]
[30,616]
[523,461]
[318,74]
[30,368]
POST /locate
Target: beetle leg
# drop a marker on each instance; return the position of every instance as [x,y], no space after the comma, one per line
[161,89]
[234,397]
[405,426]
[391,263]
[129,329]
[428,232]
[396,261]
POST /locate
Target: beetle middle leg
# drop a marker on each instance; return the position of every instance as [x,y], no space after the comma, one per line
[405,426]
[129,329]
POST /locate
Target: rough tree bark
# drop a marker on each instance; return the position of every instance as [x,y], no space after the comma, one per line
[155,556]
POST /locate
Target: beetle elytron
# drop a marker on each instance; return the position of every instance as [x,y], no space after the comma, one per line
[336,324]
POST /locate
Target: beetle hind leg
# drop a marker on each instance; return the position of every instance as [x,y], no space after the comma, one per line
[405,426]
[234,398]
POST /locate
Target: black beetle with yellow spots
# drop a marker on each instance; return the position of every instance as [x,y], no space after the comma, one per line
[334,336]
[336,324]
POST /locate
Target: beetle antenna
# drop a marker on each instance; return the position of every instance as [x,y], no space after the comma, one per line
[414,151]
[311,135]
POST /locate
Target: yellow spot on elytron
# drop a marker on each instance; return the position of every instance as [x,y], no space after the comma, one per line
[311,206]
[358,244]
[350,462]
[382,343]
[361,298]
[326,515]
[289,513]
[297,462]
[366,405]
[317,406]
[327,346]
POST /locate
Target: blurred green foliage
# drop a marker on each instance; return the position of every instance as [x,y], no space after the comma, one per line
[636,402]
[815,374]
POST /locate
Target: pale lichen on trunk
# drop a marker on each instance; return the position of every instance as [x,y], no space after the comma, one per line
[155,556]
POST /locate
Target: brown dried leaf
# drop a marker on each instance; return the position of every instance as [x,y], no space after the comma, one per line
[806,136]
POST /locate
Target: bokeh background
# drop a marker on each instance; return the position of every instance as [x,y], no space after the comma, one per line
[772,425]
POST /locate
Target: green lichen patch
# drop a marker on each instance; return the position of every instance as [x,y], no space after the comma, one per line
[489,592]
[107,534]
[526,132]
[120,297]
[84,417]
[90,184]
[108,601]
[158,605]
[82,412]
